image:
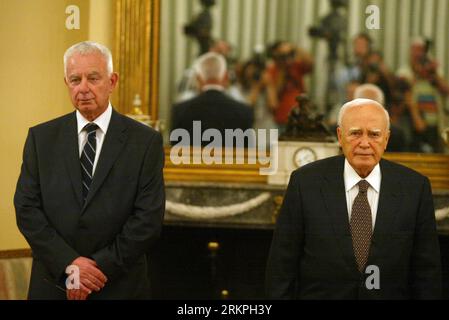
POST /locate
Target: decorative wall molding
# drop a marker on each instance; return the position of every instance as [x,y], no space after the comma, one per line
[13,254]
[209,212]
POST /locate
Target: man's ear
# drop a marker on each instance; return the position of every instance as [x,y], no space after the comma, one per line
[65,81]
[199,81]
[114,80]
[387,138]
[339,135]
[225,80]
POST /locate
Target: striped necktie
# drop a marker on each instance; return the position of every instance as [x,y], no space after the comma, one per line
[361,225]
[88,157]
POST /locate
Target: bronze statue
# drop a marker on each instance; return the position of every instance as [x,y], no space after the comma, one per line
[302,126]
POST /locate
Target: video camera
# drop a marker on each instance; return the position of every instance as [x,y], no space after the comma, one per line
[252,71]
[194,28]
[330,23]
[332,28]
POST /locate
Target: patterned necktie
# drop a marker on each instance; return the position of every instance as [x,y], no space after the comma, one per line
[88,157]
[361,225]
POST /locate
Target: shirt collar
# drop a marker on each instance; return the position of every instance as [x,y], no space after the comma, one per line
[102,121]
[213,87]
[352,178]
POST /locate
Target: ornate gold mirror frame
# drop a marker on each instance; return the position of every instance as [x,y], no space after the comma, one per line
[137,54]
[137,61]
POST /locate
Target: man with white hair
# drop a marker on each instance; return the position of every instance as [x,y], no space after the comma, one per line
[369,91]
[90,197]
[356,226]
[213,107]
[188,85]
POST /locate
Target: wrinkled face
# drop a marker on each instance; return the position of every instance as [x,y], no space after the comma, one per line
[363,137]
[89,84]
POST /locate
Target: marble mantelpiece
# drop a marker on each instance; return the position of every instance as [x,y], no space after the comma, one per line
[206,194]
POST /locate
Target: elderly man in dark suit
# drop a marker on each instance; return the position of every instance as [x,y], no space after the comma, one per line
[356,226]
[212,107]
[91,192]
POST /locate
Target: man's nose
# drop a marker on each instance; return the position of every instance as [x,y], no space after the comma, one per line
[84,87]
[364,141]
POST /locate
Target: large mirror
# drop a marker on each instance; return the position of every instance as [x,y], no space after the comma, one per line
[250,27]
[410,70]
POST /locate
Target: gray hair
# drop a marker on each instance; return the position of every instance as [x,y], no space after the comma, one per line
[370,91]
[358,103]
[211,66]
[88,47]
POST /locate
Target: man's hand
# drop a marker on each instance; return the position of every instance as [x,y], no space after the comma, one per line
[76,294]
[90,278]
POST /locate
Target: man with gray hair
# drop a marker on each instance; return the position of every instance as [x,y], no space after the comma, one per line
[369,91]
[213,107]
[90,197]
[356,226]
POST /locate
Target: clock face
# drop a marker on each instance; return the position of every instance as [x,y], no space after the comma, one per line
[304,156]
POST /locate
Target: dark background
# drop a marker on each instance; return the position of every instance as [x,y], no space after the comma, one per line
[182,266]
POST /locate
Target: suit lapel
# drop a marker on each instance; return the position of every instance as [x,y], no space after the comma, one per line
[70,148]
[387,209]
[334,194]
[112,145]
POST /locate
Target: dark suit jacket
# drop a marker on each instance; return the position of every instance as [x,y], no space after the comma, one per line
[215,110]
[122,215]
[312,256]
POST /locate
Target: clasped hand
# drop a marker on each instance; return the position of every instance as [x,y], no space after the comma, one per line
[90,279]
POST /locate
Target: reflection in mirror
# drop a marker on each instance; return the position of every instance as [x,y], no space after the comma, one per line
[276,49]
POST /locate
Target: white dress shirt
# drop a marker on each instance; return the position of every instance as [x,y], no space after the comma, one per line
[102,122]
[213,87]
[352,178]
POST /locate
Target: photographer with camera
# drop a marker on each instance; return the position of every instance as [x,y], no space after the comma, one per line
[428,87]
[374,71]
[403,111]
[253,81]
[424,66]
[285,77]
[353,71]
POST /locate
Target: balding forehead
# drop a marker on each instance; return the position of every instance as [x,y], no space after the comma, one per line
[362,102]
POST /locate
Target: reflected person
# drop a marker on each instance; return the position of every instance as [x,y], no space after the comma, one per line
[213,108]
